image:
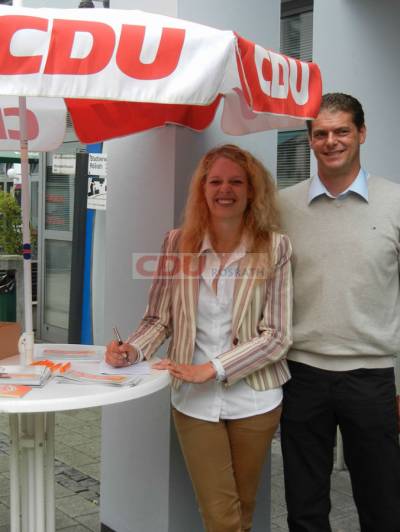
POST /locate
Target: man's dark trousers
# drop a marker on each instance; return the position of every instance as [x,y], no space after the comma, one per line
[362,403]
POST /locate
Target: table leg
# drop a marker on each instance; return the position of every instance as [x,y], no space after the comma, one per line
[23,480]
[32,472]
[28,448]
[39,470]
[14,474]
[50,482]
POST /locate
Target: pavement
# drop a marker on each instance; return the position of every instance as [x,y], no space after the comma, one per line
[78,435]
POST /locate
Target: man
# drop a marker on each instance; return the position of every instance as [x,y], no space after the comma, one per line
[345,230]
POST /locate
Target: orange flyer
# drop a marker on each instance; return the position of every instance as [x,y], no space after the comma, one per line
[14,390]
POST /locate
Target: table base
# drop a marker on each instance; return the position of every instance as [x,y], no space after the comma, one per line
[32,483]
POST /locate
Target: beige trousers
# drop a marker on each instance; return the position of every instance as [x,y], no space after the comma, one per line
[224,461]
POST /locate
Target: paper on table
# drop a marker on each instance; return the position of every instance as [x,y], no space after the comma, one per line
[60,352]
[141,368]
[24,375]
[14,390]
[83,377]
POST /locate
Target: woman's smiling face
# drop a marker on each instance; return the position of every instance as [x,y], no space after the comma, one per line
[226,190]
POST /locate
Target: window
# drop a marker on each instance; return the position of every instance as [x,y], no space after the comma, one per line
[293,158]
[296,33]
[296,41]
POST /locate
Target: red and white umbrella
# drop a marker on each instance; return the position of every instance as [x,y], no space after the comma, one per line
[120,72]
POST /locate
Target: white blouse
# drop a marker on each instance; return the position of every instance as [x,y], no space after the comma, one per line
[212,400]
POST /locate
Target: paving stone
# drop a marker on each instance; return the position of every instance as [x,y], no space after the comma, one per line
[71,456]
[342,504]
[4,514]
[92,420]
[346,524]
[278,480]
[74,438]
[91,521]
[92,470]
[84,414]
[4,442]
[76,505]
[63,520]
[4,423]
[91,495]
[78,482]
[69,425]
[91,432]
[62,491]
[279,523]
[93,448]
[4,463]
[76,475]
[75,528]
[341,482]
[5,501]
[60,433]
[66,482]
[4,486]
[277,511]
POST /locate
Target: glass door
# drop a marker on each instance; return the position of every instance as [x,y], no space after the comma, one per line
[56,247]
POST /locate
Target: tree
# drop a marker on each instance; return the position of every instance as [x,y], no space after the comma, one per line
[10,225]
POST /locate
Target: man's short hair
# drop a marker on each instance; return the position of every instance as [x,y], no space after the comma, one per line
[338,101]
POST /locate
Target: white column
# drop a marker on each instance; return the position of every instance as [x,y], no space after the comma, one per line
[148,177]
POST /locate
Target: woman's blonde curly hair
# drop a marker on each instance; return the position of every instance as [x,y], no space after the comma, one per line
[261,217]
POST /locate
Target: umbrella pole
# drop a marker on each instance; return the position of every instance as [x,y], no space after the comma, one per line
[26,342]
[27,339]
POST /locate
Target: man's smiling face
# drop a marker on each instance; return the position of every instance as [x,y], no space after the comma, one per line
[336,140]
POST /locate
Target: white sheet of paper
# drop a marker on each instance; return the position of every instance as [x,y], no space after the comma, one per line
[142,368]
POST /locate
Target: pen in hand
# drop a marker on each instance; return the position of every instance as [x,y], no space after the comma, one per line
[120,342]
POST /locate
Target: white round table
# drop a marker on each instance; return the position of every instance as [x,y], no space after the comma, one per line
[32,438]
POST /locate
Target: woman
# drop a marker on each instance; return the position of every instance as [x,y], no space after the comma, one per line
[227,308]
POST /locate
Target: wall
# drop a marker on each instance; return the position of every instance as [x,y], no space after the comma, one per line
[357,46]
[258,21]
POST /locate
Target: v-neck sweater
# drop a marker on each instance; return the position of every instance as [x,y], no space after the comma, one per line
[346,261]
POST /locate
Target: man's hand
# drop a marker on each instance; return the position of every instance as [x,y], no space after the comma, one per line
[187,372]
[120,356]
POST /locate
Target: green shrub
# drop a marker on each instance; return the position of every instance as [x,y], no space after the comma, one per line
[10,225]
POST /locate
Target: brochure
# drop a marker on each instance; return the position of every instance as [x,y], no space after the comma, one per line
[62,352]
[14,390]
[27,375]
[82,377]
[140,368]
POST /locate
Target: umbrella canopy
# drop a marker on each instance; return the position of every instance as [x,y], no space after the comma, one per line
[46,123]
[121,72]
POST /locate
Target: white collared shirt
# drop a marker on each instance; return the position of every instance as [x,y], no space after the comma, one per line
[213,400]
[359,186]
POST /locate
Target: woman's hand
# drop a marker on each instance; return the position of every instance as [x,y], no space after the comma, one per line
[164,363]
[187,372]
[120,356]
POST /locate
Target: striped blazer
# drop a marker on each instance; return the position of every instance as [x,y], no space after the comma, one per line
[261,316]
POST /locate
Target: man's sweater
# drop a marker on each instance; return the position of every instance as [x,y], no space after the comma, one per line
[346,263]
